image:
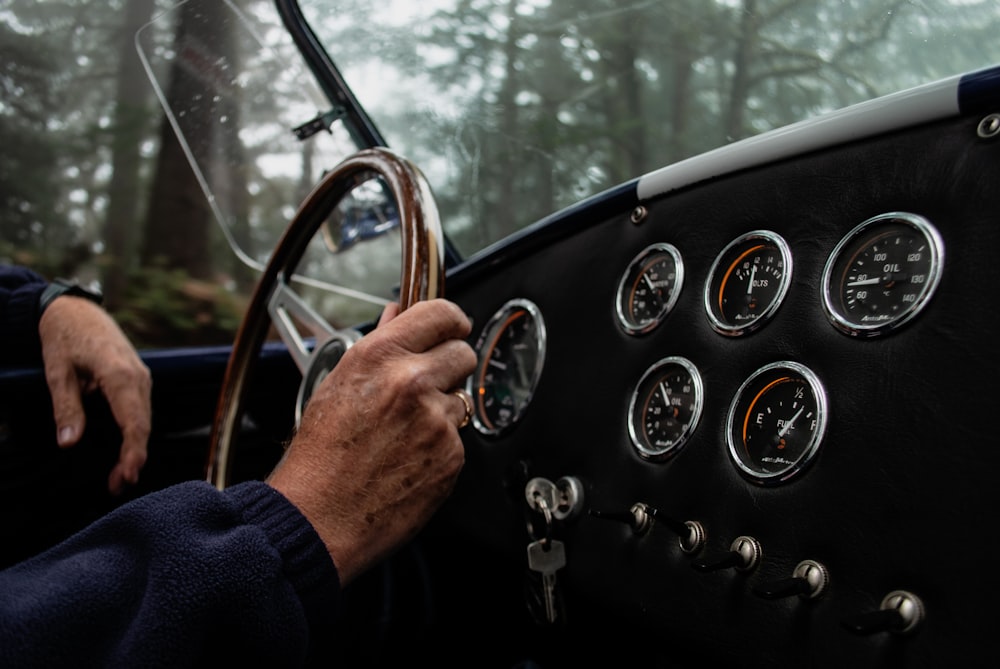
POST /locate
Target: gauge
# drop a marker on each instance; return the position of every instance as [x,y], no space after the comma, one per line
[882,274]
[511,353]
[747,282]
[665,408]
[776,422]
[649,288]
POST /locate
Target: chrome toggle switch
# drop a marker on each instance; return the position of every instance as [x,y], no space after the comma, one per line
[900,612]
[809,580]
[744,554]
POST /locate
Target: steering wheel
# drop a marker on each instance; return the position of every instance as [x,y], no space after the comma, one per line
[276,303]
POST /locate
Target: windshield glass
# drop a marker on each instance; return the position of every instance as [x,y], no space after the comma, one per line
[518,108]
[514,109]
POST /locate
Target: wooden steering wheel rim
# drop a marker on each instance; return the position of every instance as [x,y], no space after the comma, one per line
[421,276]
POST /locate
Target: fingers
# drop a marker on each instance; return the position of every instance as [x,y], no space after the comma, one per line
[425,325]
[84,349]
[67,406]
[391,311]
[126,471]
[128,396]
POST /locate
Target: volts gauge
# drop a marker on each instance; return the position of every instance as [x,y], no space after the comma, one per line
[748,282]
[649,288]
[882,274]
[776,422]
[665,408]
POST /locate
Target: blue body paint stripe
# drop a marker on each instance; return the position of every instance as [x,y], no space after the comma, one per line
[980,91]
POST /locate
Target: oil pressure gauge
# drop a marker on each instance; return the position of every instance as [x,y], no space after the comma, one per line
[776,422]
[747,282]
[665,408]
[649,288]
[882,273]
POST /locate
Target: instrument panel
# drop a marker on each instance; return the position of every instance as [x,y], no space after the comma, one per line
[782,358]
[877,278]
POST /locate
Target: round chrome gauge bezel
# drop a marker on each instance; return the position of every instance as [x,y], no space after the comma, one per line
[862,237]
[747,240]
[633,273]
[643,394]
[751,385]
[488,337]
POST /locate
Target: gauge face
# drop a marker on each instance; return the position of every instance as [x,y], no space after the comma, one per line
[665,408]
[511,353]
[882,274]
[776,423]
[649,288]
[747,282]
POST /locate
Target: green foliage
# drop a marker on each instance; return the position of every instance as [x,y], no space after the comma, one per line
[165,307]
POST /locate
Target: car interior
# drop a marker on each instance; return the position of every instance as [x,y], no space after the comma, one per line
[733,410]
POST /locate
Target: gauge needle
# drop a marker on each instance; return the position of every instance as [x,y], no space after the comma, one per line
[866,282]
[788,425]
[753,273]
[672,411]
[645,277]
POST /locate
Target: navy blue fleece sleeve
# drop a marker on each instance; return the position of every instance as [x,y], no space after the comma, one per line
[176,578]
[20,289]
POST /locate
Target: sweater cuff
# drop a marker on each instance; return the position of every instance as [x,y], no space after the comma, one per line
[19,338]
[308,565]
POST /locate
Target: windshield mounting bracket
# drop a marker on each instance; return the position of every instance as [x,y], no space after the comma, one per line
[324,121]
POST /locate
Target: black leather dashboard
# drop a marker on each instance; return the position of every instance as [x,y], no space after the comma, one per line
[900,494]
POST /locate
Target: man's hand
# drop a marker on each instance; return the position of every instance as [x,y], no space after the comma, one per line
[378,448]
[85,350]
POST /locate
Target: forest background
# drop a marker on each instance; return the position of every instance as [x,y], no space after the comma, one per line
[516,107]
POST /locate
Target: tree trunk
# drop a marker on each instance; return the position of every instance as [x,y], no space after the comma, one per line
[178,226]
[739,92]
[131,111]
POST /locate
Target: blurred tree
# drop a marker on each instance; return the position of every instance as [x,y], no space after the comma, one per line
[178,222]
[129,128]
[30,188]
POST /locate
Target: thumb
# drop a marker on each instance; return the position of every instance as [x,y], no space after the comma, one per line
[67,405]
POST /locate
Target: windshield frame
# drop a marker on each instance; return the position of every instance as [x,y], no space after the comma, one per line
[359,124]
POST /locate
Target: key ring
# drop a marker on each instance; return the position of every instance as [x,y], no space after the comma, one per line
[543,506]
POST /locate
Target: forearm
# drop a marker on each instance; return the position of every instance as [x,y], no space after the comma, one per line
[20,289]
[171,579]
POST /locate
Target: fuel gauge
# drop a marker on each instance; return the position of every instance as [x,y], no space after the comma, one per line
[776,422]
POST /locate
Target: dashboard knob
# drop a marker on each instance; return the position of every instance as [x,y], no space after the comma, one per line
[743,555]
[809,580]
[640,517]
[900,612]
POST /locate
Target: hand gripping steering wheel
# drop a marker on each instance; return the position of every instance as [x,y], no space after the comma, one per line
[274,301]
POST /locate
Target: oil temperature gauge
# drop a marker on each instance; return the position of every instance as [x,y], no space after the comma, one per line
[649,288]
[511,354]
[665,408]
[776,423]
[747,282]
[882,274]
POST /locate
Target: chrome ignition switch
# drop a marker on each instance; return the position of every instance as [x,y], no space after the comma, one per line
[564,498]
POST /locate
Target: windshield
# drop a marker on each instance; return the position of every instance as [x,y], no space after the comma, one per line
[514,109]
[518,108]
